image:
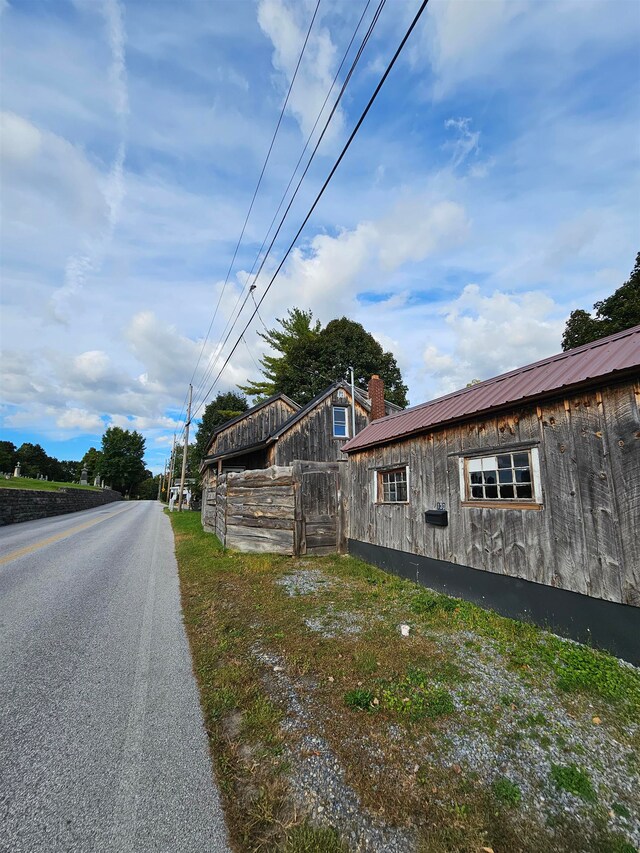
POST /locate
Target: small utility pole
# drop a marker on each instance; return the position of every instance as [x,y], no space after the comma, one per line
[353,405]
[185,450]
[161,480]
[171,464]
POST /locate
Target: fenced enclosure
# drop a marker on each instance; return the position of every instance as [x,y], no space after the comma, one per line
[295,510]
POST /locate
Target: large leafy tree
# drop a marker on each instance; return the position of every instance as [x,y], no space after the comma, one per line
[618,312]
[309,357]
[33,460]
[226,405]
[8,457]
[91,460]
[122,463]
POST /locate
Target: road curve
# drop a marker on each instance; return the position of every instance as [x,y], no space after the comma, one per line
[102,745]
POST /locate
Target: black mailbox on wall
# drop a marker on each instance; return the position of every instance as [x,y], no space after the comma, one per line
[437,517]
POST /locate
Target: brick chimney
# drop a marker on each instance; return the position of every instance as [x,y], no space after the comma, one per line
[376,395]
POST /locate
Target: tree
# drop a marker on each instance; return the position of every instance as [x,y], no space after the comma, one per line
[310,358]
[8,457]
[122,463]
[226,405]
[618,312]
[91,461]
[33,460]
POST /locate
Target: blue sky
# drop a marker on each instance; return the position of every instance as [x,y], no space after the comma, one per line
[492,189]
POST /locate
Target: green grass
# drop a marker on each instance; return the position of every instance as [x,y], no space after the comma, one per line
[234,606]
[574,780]
[41,485]
[506,792]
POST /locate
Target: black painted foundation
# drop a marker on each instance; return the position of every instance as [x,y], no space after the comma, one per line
[603,624]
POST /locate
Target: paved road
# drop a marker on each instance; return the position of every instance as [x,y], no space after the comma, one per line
[102,745]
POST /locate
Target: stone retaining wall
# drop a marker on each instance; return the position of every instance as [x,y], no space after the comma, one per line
[29,504]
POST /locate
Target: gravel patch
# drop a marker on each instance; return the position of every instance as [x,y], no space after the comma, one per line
[304,581]
[533,733]
[334,623]
[316,777]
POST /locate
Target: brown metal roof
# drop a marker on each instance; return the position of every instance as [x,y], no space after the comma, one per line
[619,352]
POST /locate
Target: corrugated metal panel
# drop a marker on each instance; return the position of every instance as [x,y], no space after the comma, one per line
[598,359]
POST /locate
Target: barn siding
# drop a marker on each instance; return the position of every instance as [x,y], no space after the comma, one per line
[252,429]
[311,438]
[585,537]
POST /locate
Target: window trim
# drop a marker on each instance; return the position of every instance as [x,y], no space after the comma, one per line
[535,502]
[378,491]
[345,409]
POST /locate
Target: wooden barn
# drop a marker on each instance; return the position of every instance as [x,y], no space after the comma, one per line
[272,479]
[521,493]
[280,432]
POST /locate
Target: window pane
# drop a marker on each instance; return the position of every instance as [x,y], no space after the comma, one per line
[474,465]
[506,492]
[491,491]
[490,477]
[489,463]
[504,460]
[476,477]
[524,491]
[476,491]
[523,475]
[340,422]
[520,460]
[506,475]
[402,491]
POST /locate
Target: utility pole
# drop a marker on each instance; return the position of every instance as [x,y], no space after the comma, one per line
[161,480]
[171,464]
[185,449]
[353,405]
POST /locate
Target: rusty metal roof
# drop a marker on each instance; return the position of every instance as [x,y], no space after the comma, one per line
[603,358]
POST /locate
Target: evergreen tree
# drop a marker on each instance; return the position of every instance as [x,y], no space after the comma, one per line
[8,457]
[309,358]
[618,312]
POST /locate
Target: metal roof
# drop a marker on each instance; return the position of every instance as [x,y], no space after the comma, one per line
[619,352]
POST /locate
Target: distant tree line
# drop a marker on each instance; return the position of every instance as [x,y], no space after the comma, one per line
[119,462]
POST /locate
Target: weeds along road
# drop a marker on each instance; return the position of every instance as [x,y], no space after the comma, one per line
[102,746]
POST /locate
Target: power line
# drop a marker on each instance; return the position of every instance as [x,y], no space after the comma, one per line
[346,147]
[255,193]
[354,63]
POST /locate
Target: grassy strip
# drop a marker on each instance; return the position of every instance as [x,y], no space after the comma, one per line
[370,692]
[41,485]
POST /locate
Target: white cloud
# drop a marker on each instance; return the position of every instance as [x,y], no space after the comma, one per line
[491,334]
[79,419]
[286,25]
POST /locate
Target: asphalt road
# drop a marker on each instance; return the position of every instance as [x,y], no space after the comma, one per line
[102,745]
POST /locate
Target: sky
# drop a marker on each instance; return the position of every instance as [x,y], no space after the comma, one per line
[492,189]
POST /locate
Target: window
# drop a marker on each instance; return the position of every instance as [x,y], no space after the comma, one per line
[340,422]
[501,477]
[392,486]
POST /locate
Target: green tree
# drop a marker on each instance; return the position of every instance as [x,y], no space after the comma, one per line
[33,460]
[122,463]
[91,460]
[148,488]
[310,358]
[618,312]
[226,405]
[8,457]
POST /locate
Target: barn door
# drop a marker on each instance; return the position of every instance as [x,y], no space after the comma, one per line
[318,508]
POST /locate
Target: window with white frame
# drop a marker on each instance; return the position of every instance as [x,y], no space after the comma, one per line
[392,486]
[340,422]
[501,477]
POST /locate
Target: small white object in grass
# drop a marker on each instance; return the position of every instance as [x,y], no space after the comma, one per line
[404,630]
[278,669]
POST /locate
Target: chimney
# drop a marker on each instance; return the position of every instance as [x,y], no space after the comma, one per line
[376,395]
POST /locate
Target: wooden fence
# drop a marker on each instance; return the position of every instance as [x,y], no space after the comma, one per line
[284,510]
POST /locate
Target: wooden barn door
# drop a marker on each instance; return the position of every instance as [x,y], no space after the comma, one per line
[317,510]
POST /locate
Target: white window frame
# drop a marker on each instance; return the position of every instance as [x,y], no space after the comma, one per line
[378,473]
[534,502]
[344,409]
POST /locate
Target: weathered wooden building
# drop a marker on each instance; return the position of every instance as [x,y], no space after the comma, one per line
[280,432]
[272,479]
[521,493]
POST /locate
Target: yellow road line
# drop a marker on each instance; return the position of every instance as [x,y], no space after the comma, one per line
[28,549]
